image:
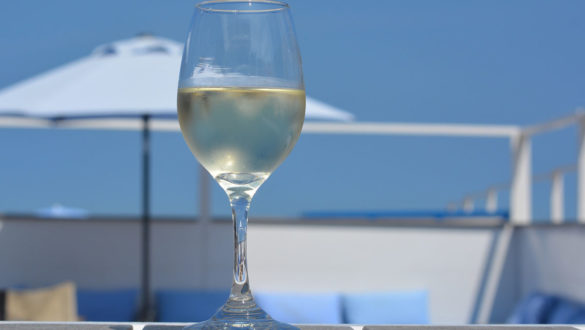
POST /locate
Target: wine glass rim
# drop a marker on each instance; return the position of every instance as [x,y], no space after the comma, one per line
[279,5]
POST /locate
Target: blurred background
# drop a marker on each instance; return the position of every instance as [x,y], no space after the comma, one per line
[416,227]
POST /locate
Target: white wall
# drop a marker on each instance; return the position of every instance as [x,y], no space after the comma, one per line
[283,257]
[447,262]
[553,261]
[94,254]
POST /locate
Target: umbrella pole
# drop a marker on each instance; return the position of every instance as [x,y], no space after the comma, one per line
[146,311]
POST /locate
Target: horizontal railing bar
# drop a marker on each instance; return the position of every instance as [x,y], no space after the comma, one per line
[324,128]
[103,124]
[555,124]
[539,178]
[371,128]
[97,124]
[366,128]
[24,122]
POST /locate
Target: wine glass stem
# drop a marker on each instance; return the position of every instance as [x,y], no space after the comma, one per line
[240,288]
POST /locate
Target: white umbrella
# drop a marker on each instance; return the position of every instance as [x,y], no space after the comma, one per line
[134,78]
[126,78]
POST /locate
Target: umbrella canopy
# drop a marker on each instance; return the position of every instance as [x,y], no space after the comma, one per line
[128,78]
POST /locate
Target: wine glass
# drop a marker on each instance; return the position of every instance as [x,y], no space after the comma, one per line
[241,107]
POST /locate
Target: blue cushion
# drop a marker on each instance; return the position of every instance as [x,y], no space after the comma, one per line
[301,307]
[567,312]
[189,305]
[399,307]
[539,308]
[533,309]
[107,305]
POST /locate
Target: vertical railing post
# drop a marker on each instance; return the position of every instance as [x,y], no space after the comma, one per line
[468,205]
[491,200]
[521,190]
[581,173]
[557,197]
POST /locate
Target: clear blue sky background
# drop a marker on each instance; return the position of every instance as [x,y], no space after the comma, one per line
[501,62]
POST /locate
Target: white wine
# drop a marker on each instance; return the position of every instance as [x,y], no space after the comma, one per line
[240,135]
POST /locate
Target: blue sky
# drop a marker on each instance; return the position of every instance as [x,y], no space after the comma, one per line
[500,62]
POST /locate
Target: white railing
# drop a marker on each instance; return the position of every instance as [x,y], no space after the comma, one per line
[521,149]
[557,191]
[522,179]
[520,145]
[491,194]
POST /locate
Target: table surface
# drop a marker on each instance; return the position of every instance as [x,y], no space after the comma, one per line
[178,326]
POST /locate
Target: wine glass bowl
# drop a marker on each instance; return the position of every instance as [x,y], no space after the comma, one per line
[241,107]
[240,135]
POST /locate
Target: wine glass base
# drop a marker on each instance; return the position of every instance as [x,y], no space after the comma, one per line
[241,324]
[239,318]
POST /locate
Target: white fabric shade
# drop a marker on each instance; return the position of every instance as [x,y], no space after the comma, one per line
[123,79]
